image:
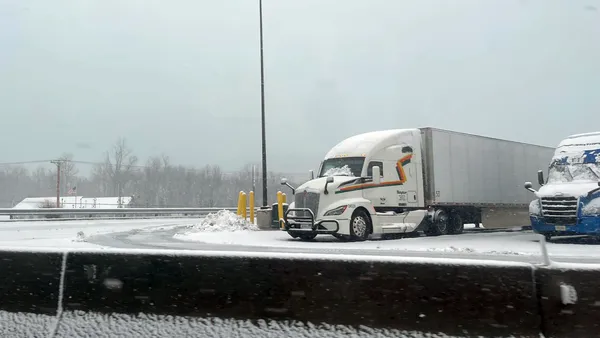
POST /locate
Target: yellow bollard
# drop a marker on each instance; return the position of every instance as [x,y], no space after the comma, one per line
[244,206]
[280,208]
[284,196]
[251,205]
[239,206]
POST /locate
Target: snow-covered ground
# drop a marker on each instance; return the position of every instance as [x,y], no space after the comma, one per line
[512,244]
[72,234]
[89,324]
[226,232]
[476,243]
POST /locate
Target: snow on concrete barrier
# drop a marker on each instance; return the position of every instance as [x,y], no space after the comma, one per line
[449,296]
[569,299]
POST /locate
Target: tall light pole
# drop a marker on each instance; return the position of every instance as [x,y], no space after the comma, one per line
[262,108]
[58,163]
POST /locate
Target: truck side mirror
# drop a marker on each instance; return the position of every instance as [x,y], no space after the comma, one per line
[376,175]
[540,177]
[529,187]
[312,174]
[284,181]
[328,180]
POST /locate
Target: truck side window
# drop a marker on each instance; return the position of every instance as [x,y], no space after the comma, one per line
[370,168]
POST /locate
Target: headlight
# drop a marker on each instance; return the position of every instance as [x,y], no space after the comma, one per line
[535,208]
[337,211]
[592,208]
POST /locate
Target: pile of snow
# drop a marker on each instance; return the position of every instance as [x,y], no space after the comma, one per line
[223,221]
[343,171]
[534,207]
[452,249]
[80,237]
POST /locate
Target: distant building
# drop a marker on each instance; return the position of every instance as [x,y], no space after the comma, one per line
[71,202]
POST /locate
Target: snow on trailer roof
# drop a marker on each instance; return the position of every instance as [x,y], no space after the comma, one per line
[595,133]
[362,144]
[581,140]
[487,137]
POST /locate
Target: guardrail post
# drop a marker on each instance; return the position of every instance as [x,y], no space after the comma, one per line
[280,208]
[244,205]
[251,203]
[239,204]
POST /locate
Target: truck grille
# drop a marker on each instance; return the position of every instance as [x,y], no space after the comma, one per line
[309,200]
[559,210]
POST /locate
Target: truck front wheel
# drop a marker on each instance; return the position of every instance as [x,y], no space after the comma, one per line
[359,226]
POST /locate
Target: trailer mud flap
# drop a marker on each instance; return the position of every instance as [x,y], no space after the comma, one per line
[569,300]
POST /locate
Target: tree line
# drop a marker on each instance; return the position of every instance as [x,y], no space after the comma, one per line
[157,183]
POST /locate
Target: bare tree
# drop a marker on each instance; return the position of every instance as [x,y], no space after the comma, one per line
[159,183]
[68,172]
[118,166]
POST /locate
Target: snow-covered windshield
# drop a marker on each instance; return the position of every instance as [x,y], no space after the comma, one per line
[343,166]
[575,168]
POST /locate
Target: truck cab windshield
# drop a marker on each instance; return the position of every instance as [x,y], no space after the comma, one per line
[564,173]
[342,166]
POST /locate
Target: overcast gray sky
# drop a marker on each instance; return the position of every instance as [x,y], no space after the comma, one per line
[182,77]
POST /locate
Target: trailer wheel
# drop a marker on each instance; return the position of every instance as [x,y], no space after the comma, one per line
[359,226]
[456,225]
[439,225]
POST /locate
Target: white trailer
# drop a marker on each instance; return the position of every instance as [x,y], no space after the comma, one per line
[407,180]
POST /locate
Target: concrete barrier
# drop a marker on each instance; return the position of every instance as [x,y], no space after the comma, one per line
[30,282]
[569,300]
[455,299]
[267,295]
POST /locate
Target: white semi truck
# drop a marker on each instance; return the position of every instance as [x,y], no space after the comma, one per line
[411,180]
[568,203]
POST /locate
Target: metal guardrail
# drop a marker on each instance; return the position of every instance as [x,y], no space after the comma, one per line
[89,212]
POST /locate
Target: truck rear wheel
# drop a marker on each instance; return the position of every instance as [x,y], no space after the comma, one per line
[359,226]
[439,225]
[456,225]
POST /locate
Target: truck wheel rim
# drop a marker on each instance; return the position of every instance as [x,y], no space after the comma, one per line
[443,222]
[359,226]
